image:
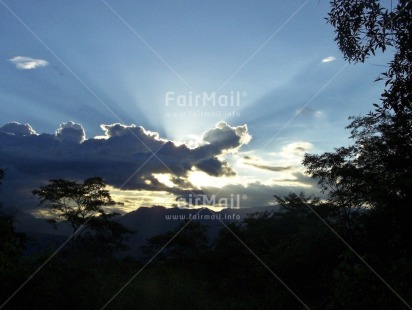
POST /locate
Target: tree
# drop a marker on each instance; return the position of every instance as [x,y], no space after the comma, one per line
[364,26]
[83,204]
[11,245]
[74,202]
[374,174]
[376,171]
[189,244]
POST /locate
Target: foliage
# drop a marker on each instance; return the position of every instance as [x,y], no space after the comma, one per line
[11,242]
[74,202]
[374,174]
[376,171]
[189,242]
[82,205]
[364,26]
[12,245]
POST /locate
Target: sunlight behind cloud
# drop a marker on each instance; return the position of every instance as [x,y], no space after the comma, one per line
[132,199]
[164,178]
[202,179]
[275,168]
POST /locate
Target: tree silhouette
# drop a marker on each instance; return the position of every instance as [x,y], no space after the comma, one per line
[374,174]
[188,244]
[74,202]
[11,243]
[364,26]
[83,204]
[377,169]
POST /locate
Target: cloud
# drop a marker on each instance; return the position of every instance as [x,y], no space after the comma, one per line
[226,137]
[215,167]
[18,129]
[257,194]
[118,130]
[123,156]
[292,153]
[328,59]
[132,139]
[259,163]
[216,141]
[296,148]
[309,112]
[70,133]
[123,153]
[300,179]
[270,168]
[28,63]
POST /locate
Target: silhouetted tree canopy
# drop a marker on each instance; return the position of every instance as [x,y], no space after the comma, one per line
[83,204]
[11,242]
[75,202]
[364,26]
[187,244]
[376,170]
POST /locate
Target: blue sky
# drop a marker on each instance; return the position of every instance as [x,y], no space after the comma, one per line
[97,62]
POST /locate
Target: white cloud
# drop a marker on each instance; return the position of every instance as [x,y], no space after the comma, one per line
[328,59]
[28,63]
[297,148]
[292,153]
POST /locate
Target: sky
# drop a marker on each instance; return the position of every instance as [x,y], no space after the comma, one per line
[173,100]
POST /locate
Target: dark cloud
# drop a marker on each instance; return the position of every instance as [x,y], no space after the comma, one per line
[123,156]
[181,182]
[191,198]
[70,133]
[18,129]
[301,178]
[258,194]
[227,137]
[215,167]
